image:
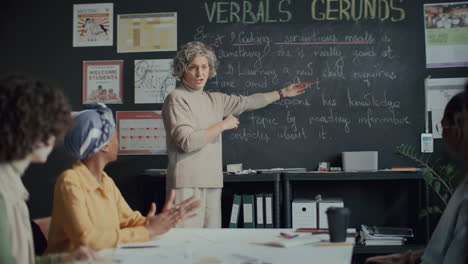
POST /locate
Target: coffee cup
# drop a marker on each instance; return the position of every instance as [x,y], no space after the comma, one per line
[338,220]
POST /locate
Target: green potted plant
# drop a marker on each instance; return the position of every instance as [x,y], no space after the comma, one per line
[439,178]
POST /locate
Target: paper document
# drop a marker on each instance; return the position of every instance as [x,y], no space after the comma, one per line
[153,252]
[438,93]
[299,240]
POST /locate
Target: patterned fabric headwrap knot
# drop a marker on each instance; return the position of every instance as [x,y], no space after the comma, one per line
[92,130]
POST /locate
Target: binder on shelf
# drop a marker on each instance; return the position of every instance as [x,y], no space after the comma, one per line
[248,207]
[236,202]
[268,210]
[260,212]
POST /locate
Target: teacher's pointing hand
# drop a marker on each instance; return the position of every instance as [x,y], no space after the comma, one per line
[294,89]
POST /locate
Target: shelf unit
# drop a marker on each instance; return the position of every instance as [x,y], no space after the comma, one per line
[262,183]
[377,198]
[152,186]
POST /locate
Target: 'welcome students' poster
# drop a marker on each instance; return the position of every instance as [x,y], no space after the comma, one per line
[102,81]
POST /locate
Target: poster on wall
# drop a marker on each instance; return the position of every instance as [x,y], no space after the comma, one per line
[153,81]
[93,25]
[141,133]
[147,32]
[438,93]
[446,30]
[103,81]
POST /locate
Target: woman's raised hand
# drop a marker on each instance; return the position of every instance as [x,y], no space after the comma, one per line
[294,89]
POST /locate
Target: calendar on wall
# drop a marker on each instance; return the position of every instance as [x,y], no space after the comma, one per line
[141,133]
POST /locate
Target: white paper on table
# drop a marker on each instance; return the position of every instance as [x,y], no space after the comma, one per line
[153,252]
[301,239]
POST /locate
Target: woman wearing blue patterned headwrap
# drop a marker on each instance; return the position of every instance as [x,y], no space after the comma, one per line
[93,129]
[88,207]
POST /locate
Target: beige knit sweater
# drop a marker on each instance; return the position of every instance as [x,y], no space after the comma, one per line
[194,162]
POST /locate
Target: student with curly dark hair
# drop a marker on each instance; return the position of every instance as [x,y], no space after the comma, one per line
[33,114]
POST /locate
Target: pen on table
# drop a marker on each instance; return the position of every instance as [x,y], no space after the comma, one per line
[288,236]
[130,247]
[312,230]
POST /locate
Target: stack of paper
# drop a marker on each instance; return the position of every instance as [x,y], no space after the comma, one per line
[371,235]
[294,240]
[153,252]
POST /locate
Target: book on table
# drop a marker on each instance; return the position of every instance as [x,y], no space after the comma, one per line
[383,242]
[387,231]
[372,235]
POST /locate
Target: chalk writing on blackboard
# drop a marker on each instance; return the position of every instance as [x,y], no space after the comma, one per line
[280,11]
[354,72]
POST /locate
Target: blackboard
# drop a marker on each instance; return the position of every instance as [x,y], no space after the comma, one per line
[369,73]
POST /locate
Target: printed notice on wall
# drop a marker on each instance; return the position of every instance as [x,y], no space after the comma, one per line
[153,81]
[147,32]
[141,133]
[103,82]
[93,25]
[446,34]
[438,94]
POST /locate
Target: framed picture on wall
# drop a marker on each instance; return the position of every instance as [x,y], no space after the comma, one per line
[103,81]
[93,25]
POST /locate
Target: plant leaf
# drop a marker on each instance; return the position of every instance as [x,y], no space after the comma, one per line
[445,197]
[439,178]
[437,210]
[436,186]
[427,175]
[422,214]
[449,169]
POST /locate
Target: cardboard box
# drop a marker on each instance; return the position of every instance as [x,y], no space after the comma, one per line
[304,213]
[360,160]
